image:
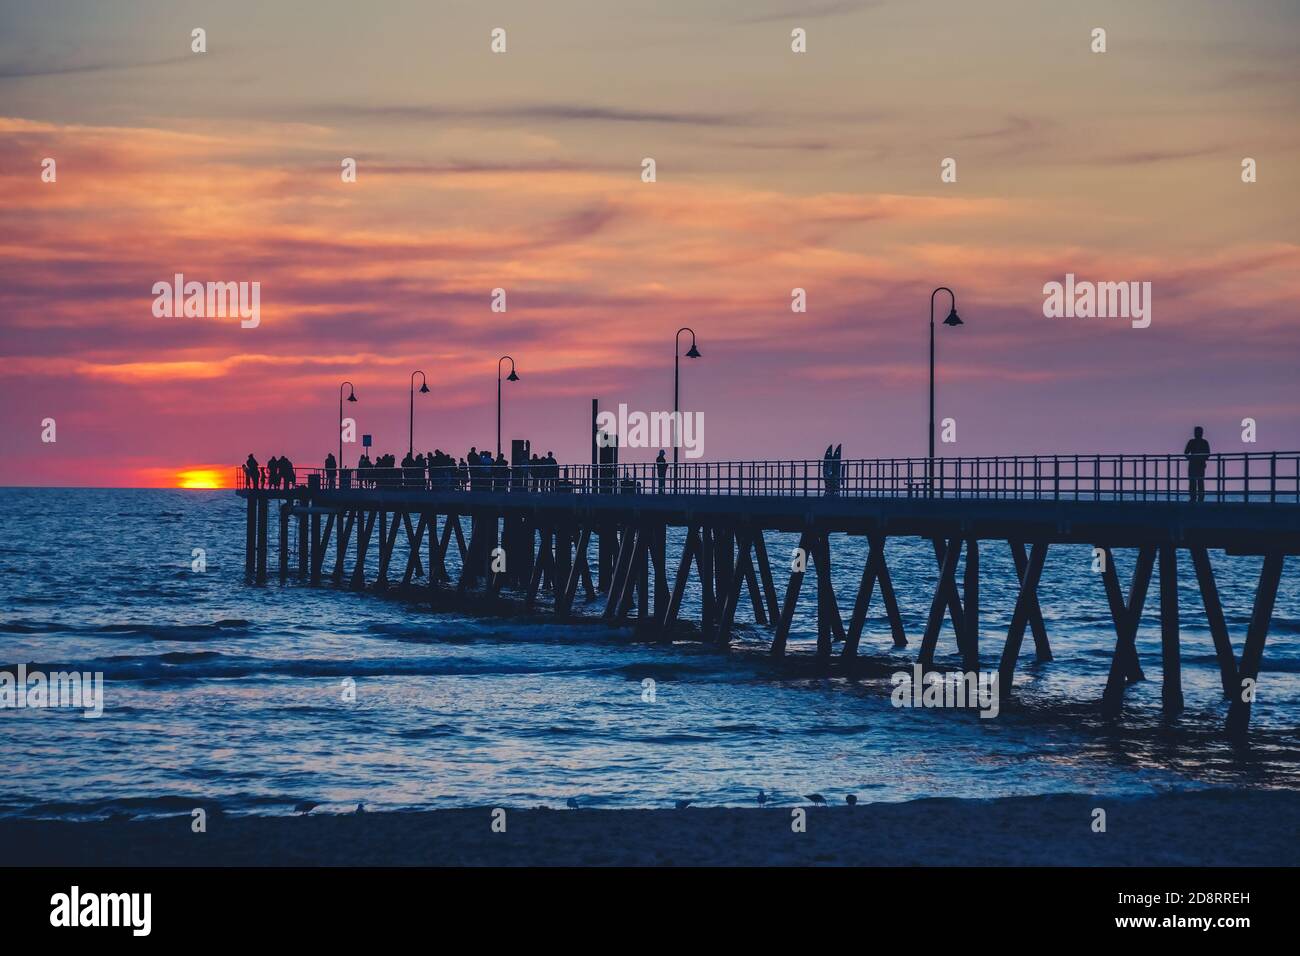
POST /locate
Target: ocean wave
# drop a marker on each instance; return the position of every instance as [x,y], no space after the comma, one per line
[231,627]
[676,671]
[847,730]
[430,731]
[177,592]
[29,627]
[174,657]
[440,630]
[740,728]
[1279,665]
[212,665]
[29,807]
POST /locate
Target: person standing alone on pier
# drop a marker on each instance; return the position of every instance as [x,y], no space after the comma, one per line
[661,468]
[1197,454]
[330,467]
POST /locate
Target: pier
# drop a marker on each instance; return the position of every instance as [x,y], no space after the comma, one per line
[601,529]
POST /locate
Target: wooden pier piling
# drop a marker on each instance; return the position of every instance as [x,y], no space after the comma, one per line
[1171,663]
[284,542]
[263,513]
[303,546]
[250,539]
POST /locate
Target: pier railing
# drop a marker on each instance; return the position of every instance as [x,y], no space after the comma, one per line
[1256,477]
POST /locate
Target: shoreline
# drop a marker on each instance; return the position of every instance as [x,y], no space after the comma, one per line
[1195,828]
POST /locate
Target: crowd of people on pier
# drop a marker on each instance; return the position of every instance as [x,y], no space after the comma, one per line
[437,471]
[278,473]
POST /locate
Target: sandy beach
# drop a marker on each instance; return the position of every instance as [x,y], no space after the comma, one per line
[1206,828]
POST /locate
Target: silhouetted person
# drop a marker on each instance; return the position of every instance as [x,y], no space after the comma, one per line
[287,474]
[661,466]
[331,468]
[1197,453]
[829,471]
[251,471]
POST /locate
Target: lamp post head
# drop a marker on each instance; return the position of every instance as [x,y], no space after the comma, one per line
[953,318]
[352,396]
[512,377]
[694,352]
[424,388]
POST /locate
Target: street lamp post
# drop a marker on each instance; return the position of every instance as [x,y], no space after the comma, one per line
[512,377]
[410,431]
[677,361]
[352,397]
[951,320]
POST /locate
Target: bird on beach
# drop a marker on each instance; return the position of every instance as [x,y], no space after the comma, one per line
[306,807]
[816,798]
[762,798]
[571,803]
[851,799]
[683,804]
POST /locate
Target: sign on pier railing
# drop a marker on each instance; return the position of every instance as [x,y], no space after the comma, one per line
[1257,477]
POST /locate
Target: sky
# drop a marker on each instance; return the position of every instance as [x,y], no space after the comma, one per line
[523,171]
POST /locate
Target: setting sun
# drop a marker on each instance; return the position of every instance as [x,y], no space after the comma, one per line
[201,478]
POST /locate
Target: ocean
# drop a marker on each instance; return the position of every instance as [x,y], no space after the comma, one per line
[217,693]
